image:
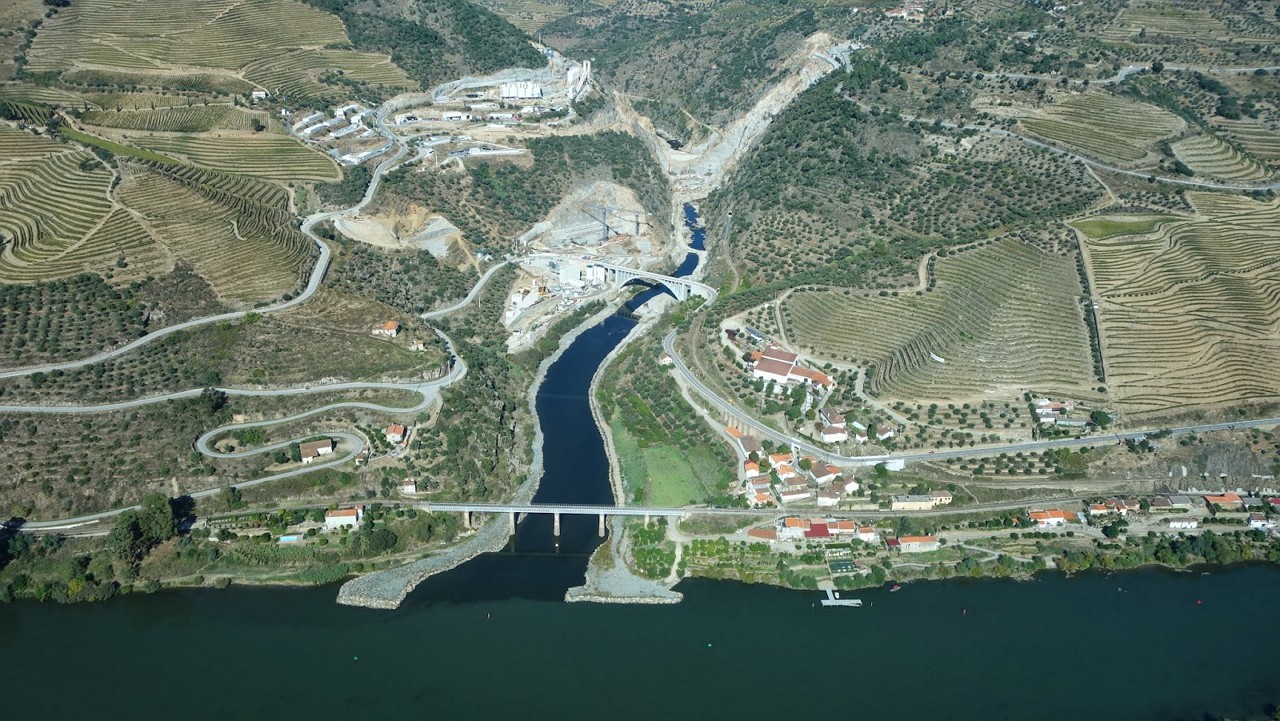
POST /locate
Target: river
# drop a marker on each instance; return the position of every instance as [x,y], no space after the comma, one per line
[493,638]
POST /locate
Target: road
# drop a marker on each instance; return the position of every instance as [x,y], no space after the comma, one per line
[745,419]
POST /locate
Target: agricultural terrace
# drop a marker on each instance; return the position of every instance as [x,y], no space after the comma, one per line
[53,199]
[195,119]
[236,232]
[264,41]
[274,157]
[1189,312]
[1168,18]
[1210,156]
[1106,127]
[1002,318]
[1254,136]
[834,195]
[1191,31]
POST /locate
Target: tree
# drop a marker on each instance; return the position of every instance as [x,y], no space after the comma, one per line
[124,542]
[1157,66]
[156,520]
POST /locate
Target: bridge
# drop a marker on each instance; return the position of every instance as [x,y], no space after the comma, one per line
[681,288]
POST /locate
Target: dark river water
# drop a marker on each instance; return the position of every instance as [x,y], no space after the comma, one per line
[493,639]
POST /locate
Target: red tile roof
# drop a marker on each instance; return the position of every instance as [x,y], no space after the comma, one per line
[775,353]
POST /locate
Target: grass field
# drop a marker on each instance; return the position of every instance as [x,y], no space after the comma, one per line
[1101,228]
[1105,126]
[657,475]
[1189,314]
[1212,157]
[1002,318]
[273,157]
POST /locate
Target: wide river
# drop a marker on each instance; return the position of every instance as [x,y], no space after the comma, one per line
[492,639]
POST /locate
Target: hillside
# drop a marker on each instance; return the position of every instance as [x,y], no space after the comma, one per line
[435,41]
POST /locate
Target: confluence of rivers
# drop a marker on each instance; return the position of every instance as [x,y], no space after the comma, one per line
[493,638]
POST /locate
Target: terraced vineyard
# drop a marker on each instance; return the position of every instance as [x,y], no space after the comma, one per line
[236,232]
[1105,126]
[1002,318]
[51,198]
[296,74]
[196,119]
[275,157]
[1263,142]
[281,44]
[1189,313]
[1179,20]
[1210,156]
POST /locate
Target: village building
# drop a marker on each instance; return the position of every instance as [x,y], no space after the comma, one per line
[340,517]
[792,529]
[664,359]
[941,498]
[833,434]
[914,544]
[1051,518]
[785,471]
[885,434]
[751,469]
[1259,522]
[1252,503]
[824,474]
[791,494]
[395,433]
[844,527]
[868,534]
[845,485]
[418,345]
[315,449]
[828,498]
[390,329]
[1225,501]
[768,535]
[831,418]
[1180,502]
[911,503]
[258,95]
[408,485]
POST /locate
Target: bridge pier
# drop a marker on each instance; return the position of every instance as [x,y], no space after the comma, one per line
[511,526]
[466,519]
[600,529]
[555,525]
[646,520]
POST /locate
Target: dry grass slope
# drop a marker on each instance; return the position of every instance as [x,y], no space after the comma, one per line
[1004,317]
[1190,313]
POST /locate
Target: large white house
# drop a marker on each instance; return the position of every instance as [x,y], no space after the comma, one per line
[340,517]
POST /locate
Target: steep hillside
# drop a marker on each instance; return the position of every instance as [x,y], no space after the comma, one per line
[435,40]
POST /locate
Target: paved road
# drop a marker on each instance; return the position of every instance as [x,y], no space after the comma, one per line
[745,419]
[475,291]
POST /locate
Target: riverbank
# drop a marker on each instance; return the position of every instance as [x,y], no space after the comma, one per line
[388,589]
[609,580]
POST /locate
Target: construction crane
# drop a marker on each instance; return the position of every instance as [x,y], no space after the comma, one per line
[605,211]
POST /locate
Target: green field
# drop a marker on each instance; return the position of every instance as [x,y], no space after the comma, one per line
[658,475]
[1190,314]
[1101,228]
[1003,318]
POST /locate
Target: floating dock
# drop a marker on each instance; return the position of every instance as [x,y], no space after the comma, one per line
[833,599]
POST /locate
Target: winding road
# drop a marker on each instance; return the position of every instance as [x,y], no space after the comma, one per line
[427,390]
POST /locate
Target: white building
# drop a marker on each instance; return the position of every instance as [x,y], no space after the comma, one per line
[349,517]
[834,434]
[315,449]
[524,90]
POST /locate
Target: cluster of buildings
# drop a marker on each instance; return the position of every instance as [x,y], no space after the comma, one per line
[793,528]
[343,129]
[1256,508]
[1051,413]
[779,479]
[833,427]
[782,368]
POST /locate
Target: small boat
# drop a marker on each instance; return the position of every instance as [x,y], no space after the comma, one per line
[894,588]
